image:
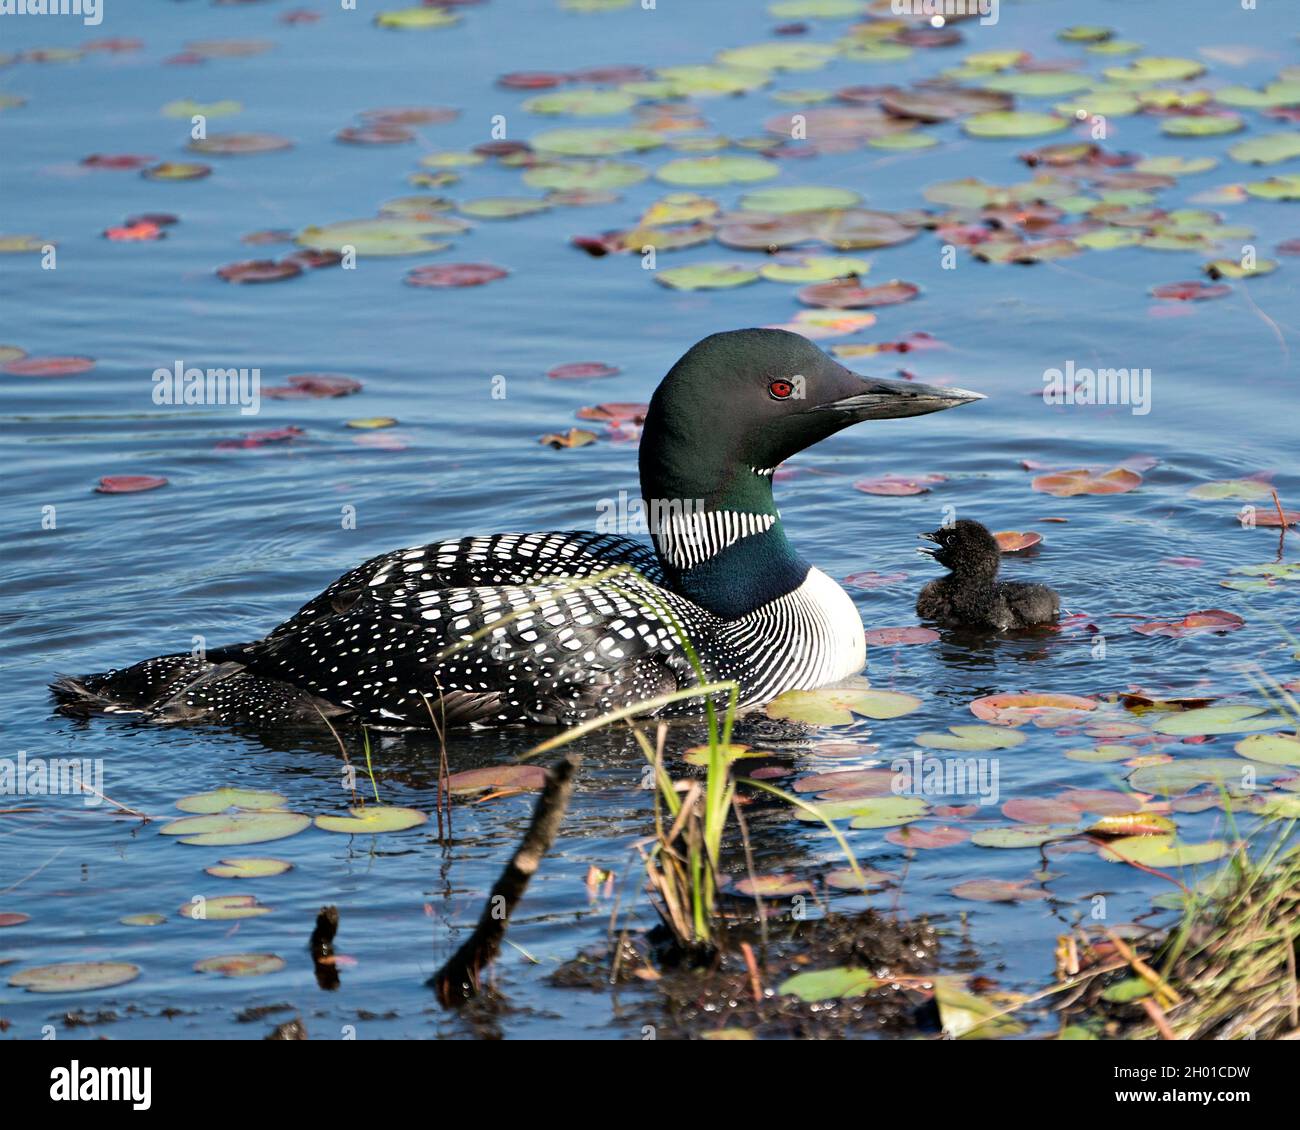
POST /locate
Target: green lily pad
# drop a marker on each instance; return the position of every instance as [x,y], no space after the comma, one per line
[248,867]
[1107,103]
[569,175]
[798,198]
[452,159]
[1176,166]
[223,908]
[1102,753]
[1266,149]
[382,236]
[188,108]
[241,964]
[1276,188]
[374,818]
[972,738]
[417,19]
[1163,851]
[582,103]
[787,56]
[816,10]
[697,171]
[1151,69]
[1085,33]
[502,207]
[1013,123]
[1108,239]
[837,706]
[596,141]
[1274,749]
[143,919]
[815,268]
[706,276]
[702,79]
[1022,835]
[1249,490]
[1201,125]
[1232,719]
[1039,84]
[903,141]
[220,799]
[829,984]
[229,829]
[886,811]
[75,976]
[1173,778]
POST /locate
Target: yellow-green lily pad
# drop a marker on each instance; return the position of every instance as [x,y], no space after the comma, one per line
[1022,835]
[223,908]
[1013,123]
[568,175]
[706,276]
[229,829]
[372,819]
[595,141]
[75,976]
[814,268]
[241,964]
[971,738]
[798,198]
[220,799]
[838,706]
[585,103]
[829,984]
[1266,149]
[1231,719]
[698,171]
[1163,851]
[248,867]
[1173,778]
[143,919]
[1274,749]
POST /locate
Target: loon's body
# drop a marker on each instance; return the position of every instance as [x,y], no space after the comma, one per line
[971,596]
[553,628]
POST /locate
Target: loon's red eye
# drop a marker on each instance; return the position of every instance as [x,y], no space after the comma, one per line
[781,390]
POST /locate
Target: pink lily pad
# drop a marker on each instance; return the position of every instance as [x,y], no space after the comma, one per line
[313,386]
[49,366]
[582,370]
[259,271]
[129,484]
[899,637]
[454,274]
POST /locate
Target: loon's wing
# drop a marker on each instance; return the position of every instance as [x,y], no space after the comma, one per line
[388,641]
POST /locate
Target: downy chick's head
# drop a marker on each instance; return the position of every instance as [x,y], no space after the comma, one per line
[966,548]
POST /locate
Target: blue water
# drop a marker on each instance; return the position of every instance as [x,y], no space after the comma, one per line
[239,539]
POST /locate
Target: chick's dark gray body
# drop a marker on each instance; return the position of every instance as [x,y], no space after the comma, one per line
[971,595]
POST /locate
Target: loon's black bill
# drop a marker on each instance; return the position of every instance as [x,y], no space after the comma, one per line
[881,399]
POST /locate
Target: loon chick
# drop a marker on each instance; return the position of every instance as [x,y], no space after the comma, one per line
[972,596]
[532,628]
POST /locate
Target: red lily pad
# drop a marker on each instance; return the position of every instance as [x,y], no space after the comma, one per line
[314,258]
[927,838]
[531,80]
[1066,484]
[1194,623]
[13,918]
[582,371]
[899,637]
[615,413]
[454,274]
[259,271]
[263,438]
[1016,709]
[1189,291]
[377,133]
[1269,517]
[1039,810]
[116,161]
[231,144]
[410,115]
[129,484]
[998,890]
[846,294]
[313,386]
[892,485]
[49,366]
[1013,541]
[495,778]
[134,233]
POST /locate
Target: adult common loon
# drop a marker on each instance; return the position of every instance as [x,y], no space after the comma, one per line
[504,629]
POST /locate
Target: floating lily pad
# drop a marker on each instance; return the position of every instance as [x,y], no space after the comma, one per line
[227,144]
[454,274]
[829,984]
[846,294]
[48,366]
[75,976]
[1232,269]
[1022,835]
[837,706]
[706,276]
[1014,541]
[815,268]
[698,171]
[143,920]
[176,170]
[502,207]
[1267,149]
[569,175]
[11,918]
[595,141]
[998,890]
[798,198]
[235,828]
[971,739]
[582,103]
[773,886]
[372,819]
[241,964]
[1151,69]
[1013,123]
[223,908]
[1067,484]
[574,437]
[1163,852]
[1017,709]
[1176,166]
[1202,125]
[900,637]
[382,236]
[1102,753]
[1182,775]
[1133,824]
[1039,84]
[417,19]
[220,799]
[249,867]
[1229,719]
[1194,623]
[129,484]
[1274,749]
[887,811]
[1040,810]
[942,105]
[582,371]
[927,839]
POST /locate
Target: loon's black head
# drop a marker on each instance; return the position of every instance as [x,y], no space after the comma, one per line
[747,400]
[966,548]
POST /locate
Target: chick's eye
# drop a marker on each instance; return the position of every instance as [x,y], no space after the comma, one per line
[781,390]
